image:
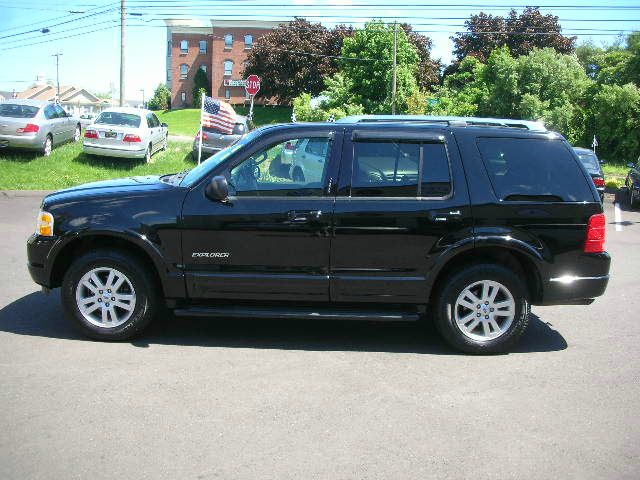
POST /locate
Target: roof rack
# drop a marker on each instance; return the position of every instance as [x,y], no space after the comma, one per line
[449,121]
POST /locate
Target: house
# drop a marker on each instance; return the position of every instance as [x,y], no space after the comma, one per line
[76,101]
[219,48]
[6,95]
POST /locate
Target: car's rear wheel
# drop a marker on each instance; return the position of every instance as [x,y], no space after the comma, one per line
[48,146]
[109,295]
[147,154]
[482,309]
[76,134]
[165,144]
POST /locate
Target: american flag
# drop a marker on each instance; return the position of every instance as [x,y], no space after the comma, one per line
[218,115]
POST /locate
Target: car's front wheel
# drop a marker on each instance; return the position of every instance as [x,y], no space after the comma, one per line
[482,309]
[109,295]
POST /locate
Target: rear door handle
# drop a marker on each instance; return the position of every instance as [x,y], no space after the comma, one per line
[304,216]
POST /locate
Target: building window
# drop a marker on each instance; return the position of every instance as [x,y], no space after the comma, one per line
[203,46]
[228,67]
[169,48]
[228,40]
[203,67]
[248,42]
[169,74]
[184,70]
[184,46]
[183,96]
[227,94]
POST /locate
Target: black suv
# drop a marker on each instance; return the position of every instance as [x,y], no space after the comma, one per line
[467,222]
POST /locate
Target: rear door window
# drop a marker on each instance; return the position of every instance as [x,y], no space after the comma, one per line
[400,169]
[532,169]
[60,111]
[50,112]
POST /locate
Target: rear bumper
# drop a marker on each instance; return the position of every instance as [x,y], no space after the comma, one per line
[206,150]
[114,152]
[31,142]
[572,288]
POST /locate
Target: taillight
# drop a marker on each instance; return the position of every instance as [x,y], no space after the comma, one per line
[91,134]
[131,138]
[30,128]
[598,181]
[596,232]
[204,136]
[289,146]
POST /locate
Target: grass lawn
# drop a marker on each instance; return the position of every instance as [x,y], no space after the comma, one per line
[187,121]
[68,166]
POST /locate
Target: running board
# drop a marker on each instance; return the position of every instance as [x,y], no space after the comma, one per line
[297,312]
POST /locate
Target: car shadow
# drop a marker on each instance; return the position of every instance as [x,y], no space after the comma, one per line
[42,315]
[108,162]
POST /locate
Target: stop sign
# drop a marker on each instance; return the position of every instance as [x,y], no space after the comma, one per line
[252,84]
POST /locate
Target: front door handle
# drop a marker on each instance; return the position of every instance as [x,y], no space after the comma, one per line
[451,215]
[304,216]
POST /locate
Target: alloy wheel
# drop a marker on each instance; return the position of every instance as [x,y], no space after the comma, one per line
[484,310]
[105,297]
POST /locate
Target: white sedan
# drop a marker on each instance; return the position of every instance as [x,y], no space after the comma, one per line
[126,133]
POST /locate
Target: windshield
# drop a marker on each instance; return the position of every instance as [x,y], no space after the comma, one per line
[590,161]
[15,110]
[208,165]
[118,118]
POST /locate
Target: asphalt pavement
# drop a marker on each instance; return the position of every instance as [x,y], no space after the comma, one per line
[204,399]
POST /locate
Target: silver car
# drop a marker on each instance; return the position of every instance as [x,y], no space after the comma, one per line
[36,125]
[126,133]
[213,141]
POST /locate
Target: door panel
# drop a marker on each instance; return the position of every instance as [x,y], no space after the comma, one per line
[269,241]
[385,246]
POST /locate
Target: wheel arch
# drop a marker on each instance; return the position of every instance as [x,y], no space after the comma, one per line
[523,260]
[126,243]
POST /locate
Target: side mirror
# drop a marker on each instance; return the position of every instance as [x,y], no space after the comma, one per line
[164,125]
[218,189]
[630,165]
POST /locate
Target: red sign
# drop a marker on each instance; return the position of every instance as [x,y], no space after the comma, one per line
[252,85]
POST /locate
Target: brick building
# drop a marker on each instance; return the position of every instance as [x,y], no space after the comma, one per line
[220,49]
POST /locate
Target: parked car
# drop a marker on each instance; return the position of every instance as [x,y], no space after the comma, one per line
[213,140]
[307,161]
[594,167]
[36,125]
[126,133]
[465,225]
[86,120]
[633,183]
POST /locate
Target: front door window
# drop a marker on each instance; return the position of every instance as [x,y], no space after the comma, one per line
[296,167]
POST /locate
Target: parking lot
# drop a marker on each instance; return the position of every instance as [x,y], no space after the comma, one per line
[202,398]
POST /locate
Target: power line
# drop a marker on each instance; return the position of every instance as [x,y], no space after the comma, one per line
[61,38]
[48,35]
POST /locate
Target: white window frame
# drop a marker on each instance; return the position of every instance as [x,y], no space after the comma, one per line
[228,45]
[184,72]
[183,50]
[200,44]
[230,70]
[183,96]
[203,67]
[248,45]
[227,94]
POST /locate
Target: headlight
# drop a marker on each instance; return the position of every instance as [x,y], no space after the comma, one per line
[44,225]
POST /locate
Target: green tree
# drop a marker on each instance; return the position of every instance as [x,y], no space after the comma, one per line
[616,114]
[201,86]
[368,68]
[161,99]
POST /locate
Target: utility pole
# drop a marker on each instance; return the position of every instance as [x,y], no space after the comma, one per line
[123,22]
[395,54]
[57,55]
[142,90]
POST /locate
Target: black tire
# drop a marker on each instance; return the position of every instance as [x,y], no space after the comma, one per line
[456,283]
[47,148]
[77,134]
[148,154]
[147,299]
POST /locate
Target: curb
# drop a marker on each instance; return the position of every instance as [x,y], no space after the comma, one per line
[24,193]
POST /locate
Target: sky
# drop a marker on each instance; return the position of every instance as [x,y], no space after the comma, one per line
[91,53]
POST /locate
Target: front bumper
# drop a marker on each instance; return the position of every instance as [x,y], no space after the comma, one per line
[114,152]
[38,259]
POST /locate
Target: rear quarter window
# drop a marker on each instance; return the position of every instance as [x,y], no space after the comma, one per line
[533,169]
